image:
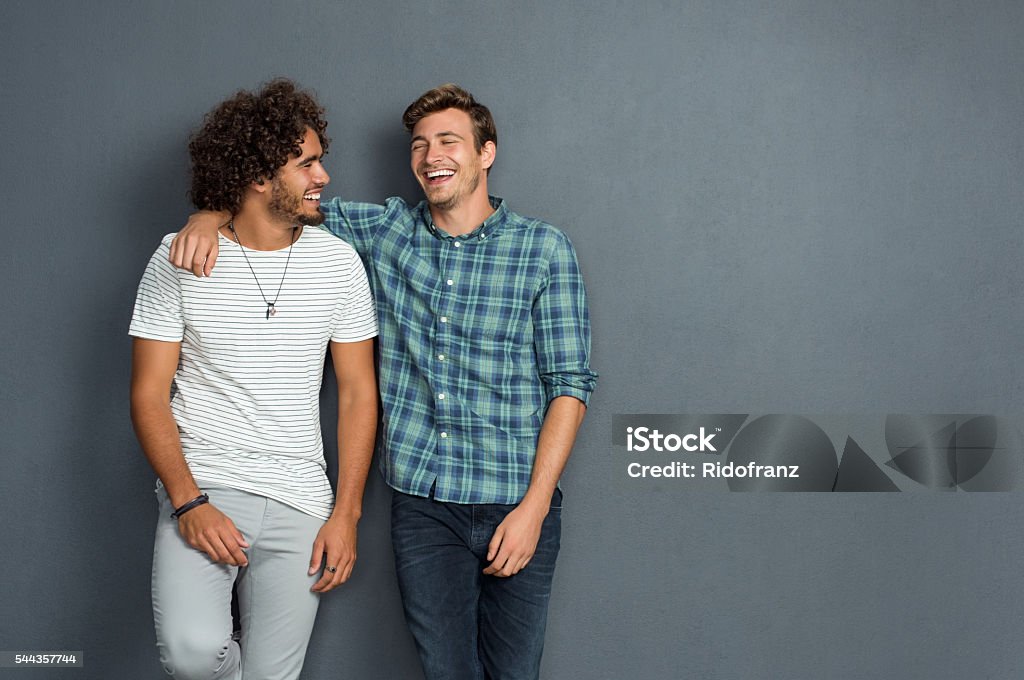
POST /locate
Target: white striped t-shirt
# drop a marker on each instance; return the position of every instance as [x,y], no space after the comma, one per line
[246,393]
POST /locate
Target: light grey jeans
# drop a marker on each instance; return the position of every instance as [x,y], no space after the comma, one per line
[192,593]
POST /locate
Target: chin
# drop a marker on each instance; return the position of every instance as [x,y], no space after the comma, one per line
[312,220]
[442,201]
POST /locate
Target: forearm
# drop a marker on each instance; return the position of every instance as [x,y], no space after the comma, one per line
[357,429]
[554,445]
[515,540]
[158,434]
[205,528]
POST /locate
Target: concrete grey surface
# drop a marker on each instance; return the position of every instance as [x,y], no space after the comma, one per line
[785,207]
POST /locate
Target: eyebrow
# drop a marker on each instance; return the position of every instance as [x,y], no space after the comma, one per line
[311,157]
[446,133]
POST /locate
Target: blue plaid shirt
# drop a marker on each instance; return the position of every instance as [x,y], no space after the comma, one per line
[477,334]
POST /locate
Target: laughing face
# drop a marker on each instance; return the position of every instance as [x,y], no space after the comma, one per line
[295,188]
[445,159]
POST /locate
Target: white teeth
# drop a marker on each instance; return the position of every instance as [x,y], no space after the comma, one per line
[312,197]
[439,173]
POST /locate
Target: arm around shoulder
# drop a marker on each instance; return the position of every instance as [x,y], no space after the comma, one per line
[195,247]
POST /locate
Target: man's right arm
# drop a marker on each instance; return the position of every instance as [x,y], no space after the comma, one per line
[195,247]
[205,528]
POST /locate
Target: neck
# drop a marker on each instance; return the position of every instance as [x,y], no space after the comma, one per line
[259,232]
[464,217]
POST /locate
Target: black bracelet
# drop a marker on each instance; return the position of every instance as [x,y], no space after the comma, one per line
[201,499]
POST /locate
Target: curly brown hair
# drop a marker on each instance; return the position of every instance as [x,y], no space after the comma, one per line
[247,138]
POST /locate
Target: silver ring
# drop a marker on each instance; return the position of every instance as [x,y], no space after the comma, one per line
[330,570]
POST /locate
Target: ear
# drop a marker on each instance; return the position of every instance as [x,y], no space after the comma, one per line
[487,154]
[260,186]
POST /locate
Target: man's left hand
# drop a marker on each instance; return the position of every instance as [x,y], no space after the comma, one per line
[515,541]
[337,540]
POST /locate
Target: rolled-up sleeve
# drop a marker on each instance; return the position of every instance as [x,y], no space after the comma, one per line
[561,325]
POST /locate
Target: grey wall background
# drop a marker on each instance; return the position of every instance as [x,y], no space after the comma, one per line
[796,206]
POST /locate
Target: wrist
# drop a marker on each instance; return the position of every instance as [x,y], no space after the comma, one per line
[179,497]
[536,501]
[222,216]
[201,499]
[346,512]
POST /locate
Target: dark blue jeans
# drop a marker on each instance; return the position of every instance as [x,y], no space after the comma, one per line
[469,626]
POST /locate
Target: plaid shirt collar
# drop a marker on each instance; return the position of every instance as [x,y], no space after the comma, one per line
[490,228]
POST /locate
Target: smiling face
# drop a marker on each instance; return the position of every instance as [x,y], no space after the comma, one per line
[445,159]
[295,188]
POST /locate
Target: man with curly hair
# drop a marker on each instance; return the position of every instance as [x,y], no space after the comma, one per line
[485,377]
[226,374]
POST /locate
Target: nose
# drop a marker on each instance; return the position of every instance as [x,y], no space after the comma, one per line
[321,177]
[434,154]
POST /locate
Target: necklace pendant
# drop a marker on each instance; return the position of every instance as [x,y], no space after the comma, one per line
[271,311]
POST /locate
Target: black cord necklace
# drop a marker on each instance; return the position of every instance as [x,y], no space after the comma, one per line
[271,306]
